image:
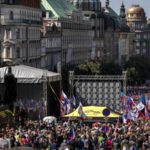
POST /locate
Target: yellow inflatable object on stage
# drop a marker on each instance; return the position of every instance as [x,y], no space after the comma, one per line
[93,112]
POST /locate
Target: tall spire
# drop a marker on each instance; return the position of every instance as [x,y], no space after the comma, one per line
[122,11]
[107,3]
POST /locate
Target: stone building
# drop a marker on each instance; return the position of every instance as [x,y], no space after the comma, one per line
[76,33]
[110,30]
[20,33]
[28,3]
[51,47]
[137,21]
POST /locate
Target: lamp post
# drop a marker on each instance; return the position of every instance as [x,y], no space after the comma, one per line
[125,81]
[0,39]
[45,91]
[71,79]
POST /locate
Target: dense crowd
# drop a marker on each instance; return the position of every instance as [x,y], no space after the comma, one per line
[78,136]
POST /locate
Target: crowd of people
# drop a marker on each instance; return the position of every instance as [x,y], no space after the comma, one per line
[69,135]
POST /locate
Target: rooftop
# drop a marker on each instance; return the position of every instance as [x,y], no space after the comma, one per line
[58,8]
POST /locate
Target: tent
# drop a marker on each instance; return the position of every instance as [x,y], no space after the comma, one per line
[92,112]
[50,119]
[36,88]
[27,74]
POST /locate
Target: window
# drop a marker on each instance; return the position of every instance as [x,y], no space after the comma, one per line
[138,36]
[144,44]
[137,43]
[144,51]
[137,51]
[145,36]
[11,2]
[18,52]
[7,33]
[11,15]
[17,33]
[7,52]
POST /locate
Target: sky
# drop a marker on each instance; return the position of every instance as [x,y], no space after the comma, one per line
[115,5]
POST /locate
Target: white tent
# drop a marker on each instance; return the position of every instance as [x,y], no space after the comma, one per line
[50,119]
[27,74]
[35,87]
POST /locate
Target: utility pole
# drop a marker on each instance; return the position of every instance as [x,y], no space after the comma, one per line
[125,81]
[71,79]
[0,38]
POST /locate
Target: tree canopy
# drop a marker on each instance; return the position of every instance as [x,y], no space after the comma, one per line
[98,68]
[138,68]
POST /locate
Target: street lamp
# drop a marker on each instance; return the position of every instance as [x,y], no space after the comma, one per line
[124,81]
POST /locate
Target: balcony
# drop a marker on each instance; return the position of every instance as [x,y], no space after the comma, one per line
[19,21]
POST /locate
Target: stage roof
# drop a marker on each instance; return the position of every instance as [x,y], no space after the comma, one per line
[27,74]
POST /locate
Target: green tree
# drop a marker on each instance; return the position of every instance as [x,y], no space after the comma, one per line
[132,76]
[111,69]
[141,66]
[89,68]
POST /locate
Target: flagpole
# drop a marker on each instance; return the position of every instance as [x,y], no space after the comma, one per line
[68,122]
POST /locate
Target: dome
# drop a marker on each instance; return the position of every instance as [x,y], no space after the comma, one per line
[135,9]
[87,5]
[113,19]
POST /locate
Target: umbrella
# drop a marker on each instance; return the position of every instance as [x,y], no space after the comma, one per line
[50,119]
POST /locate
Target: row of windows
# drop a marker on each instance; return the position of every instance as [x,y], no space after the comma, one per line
[137,25]
[8,50]
[18,53]
[75,26]
[145,36]
[26,15]
[30,15]
[139,15]
[143,51]
[140,44]
[21,33]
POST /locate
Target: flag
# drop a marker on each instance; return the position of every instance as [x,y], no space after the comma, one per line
[140,106]
[63,104]
[74,102]
[80,111]
[144,112]
[62,111]
[68,106]
[124,117]
[71,134]
[130,103]
[63,96]
[143,99]
[132,115]
[147,116]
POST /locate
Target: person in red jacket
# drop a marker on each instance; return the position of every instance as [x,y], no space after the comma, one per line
[109,144]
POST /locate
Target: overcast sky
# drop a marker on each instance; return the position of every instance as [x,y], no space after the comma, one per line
[115,4]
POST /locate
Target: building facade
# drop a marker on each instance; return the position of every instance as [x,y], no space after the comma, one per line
[92,11]
[51,43]
[28,3]
[76,33]
[108,28]
[20,35]
[137,21]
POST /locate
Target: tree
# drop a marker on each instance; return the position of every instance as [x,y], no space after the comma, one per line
[141,66]
[89,68]
[132,76]
[111,69]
